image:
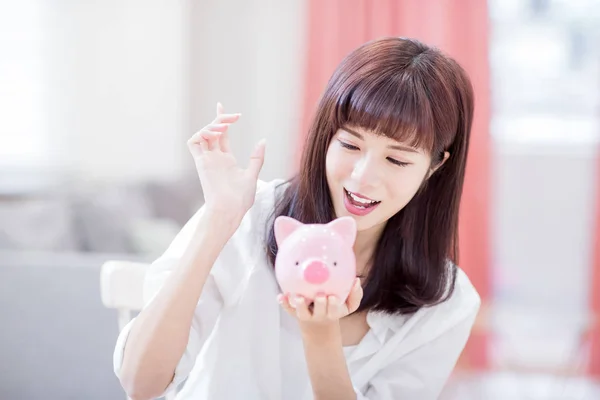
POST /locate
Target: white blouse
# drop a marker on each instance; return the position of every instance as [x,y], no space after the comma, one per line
[243,345]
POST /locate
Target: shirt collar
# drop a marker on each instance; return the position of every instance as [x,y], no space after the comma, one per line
[381,322]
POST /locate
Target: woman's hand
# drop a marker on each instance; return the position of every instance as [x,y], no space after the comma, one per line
[325,310]
[229,190]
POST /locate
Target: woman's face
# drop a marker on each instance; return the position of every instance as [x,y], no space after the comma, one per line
[372,177]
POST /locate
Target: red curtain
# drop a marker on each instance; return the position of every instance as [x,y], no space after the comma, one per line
[459,28]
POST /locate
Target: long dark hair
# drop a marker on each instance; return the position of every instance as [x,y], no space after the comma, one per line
[405,90]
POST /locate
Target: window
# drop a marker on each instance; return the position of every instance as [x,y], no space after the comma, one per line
[545,70]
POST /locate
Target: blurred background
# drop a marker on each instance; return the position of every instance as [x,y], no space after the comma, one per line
[98,98]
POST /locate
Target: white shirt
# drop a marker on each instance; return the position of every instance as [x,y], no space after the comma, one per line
[243,345]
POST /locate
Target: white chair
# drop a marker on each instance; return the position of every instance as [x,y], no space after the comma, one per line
[121,288]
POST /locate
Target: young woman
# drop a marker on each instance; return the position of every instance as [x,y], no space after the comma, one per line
[388,147]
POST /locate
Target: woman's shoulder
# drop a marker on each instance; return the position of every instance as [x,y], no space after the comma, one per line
[438,332]
[241,252]
[462,304]
[460,308]
[465,293]
[268,192]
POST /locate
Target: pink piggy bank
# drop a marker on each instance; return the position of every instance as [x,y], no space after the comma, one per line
[315,258]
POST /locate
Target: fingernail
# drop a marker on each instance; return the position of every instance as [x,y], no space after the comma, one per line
[260,143]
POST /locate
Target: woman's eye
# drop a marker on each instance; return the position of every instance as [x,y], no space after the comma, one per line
[396,162]
[348,146]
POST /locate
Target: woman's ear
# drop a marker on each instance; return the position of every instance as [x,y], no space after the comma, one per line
[438,165]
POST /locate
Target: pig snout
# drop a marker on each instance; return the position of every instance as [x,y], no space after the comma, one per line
[316,272]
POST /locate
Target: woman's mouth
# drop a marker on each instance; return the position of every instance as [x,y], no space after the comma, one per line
[357,204]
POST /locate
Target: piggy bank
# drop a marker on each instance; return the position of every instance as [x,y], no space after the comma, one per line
[315,258]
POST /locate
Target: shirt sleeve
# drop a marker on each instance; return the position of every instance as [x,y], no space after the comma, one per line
[207,311]
[423,372]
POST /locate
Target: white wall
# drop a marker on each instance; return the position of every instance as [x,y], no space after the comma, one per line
[117,75]
[250,56]
[124,84]
[21,111]
[543,215]
[543,208]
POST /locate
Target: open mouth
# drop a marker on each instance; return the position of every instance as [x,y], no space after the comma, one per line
[357,204]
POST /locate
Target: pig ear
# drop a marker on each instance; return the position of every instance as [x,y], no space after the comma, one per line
[345,227]
[284,226]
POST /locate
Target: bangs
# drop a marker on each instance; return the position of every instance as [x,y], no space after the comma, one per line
[389,105]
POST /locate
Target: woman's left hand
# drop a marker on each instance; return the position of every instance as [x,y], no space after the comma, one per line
[325,309]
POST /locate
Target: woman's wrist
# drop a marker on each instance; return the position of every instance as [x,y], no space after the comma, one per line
[326,361]
[328,333]
[221,222]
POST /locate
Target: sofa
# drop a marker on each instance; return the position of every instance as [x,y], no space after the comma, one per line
[56,337]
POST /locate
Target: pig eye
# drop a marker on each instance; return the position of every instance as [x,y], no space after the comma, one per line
[297,263]
[335,263]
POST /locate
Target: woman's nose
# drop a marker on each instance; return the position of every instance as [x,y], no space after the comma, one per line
[364,172]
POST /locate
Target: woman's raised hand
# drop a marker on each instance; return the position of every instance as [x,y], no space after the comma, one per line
[228,188]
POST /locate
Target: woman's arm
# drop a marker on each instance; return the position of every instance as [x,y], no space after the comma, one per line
[159,335]
[326,362]
[322,340]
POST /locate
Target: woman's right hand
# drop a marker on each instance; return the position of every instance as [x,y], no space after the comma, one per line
[229,190]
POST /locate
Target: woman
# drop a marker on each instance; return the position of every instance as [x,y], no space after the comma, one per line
[388,147]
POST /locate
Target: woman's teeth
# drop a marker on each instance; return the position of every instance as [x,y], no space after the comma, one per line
[359,201]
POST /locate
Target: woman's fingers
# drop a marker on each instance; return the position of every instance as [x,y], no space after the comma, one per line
[203,145]
[211,137]
[257,159]
[298,309]
[355,296]
[324,308]
[334,308]
[198,143]
[225,118]
[285,303]
[214,136]
[224,142]
[319,312]
[214,127]
[218,137]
